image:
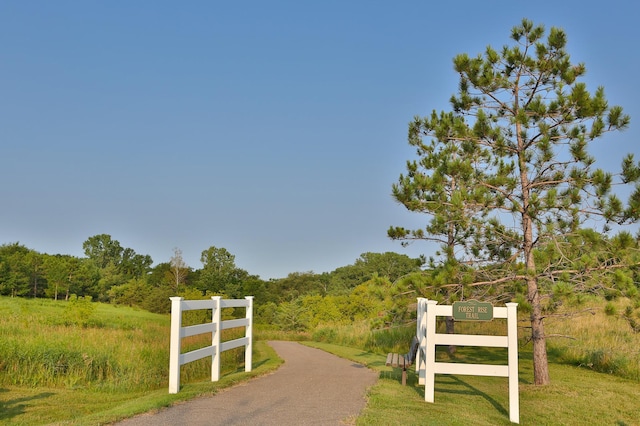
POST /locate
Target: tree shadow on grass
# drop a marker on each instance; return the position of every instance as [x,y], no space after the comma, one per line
[14,407]
[464,388]
[257,364]
[395,374]
[450,384]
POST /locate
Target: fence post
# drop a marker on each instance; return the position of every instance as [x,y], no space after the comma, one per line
[512,332]
[174,348]
[421,334]
[215,337]
[248,350]
[430,351]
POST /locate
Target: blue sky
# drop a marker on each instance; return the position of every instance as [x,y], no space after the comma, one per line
[272,129]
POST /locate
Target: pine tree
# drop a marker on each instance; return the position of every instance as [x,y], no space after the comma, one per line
[516,144]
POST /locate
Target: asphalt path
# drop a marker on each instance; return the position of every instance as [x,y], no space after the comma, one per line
[312,387]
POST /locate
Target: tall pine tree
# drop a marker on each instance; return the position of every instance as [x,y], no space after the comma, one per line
[508,171]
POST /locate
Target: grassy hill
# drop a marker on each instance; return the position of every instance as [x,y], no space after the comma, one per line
[80,362]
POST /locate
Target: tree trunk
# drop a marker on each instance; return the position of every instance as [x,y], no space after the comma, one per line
[540,362]
[450,328]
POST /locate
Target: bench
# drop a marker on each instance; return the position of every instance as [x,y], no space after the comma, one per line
[404,361]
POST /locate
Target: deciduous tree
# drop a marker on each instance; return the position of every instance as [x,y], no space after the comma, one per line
[103,250]
[15,270]
[179,268]
[219,270]
[134,265]
[56,272]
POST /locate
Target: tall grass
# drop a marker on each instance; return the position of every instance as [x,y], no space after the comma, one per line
[354,335]
[594,335]
[392,339]
[101,347]
[268,332]
[598,338]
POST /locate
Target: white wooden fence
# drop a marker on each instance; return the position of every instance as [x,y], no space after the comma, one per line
[178,332]
[427,367]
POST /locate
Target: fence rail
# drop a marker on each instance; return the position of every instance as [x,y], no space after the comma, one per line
[178,332]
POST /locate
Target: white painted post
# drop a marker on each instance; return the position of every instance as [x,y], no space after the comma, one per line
[215,338]
[430,352]
[512,333]
[248,350]
[418,319]
[174,348]
[418,315]
[421,334]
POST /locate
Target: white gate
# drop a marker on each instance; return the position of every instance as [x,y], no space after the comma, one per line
[426,364]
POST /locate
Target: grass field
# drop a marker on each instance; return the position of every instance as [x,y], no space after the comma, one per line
[576,397]
[20,405]
[91,363]
[78,364]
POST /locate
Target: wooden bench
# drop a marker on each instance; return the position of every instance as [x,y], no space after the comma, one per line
[404,361]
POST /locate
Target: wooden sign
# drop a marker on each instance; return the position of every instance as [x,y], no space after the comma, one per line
[472,310]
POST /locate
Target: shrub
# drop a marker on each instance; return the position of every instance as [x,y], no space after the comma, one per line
[79,310]
[610,309]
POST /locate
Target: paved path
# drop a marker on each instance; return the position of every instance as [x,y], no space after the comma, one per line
[312,387]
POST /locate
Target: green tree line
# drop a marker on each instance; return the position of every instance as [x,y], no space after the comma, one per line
[115,274]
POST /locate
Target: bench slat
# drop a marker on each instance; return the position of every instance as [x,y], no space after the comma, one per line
[397,360]
[389,358]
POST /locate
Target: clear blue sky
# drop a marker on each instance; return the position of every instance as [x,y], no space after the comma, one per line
[273,129]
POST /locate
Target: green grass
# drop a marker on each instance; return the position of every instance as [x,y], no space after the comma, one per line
[62,364]
[48,343]
[73,363]
[113,348]
[21,405]
[576,396]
